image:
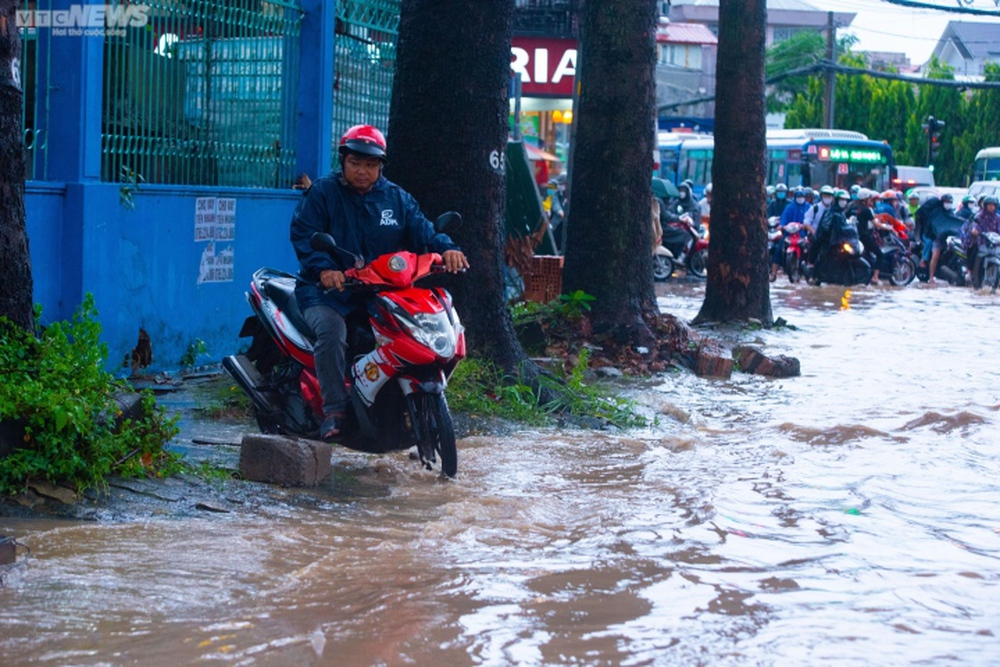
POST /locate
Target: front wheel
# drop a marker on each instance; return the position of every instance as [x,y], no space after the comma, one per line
[792,268]
[436,436]
[903,271]
[697,263]
[991,276]
[858,272]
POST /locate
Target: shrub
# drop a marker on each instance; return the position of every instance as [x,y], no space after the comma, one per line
[55,386]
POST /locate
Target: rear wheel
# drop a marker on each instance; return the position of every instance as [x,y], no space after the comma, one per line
[904,271]
[437,434]
[697,263]
[663,268]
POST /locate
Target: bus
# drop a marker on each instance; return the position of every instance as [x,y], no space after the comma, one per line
[987,165]
[808,157]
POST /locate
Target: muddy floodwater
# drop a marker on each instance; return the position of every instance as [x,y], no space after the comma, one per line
[850,516]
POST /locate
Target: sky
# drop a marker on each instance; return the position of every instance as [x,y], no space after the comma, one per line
[881,26]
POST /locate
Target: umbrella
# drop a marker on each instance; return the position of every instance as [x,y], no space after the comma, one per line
[535,153]
[664,189]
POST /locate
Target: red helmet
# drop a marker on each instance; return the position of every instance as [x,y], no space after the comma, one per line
[889,195]
[364,140]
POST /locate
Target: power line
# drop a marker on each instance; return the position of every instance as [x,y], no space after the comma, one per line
[912,4]
[824,65]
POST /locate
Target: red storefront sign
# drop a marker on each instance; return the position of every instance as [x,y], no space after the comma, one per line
[547,66]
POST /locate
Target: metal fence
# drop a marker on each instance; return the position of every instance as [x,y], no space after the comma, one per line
[35,101]
[365,61]
[203,94]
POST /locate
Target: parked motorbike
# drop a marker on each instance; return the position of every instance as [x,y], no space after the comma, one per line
[693,252]
[663,263]
[796,248]
[403,357]
[988,262]
[843,262]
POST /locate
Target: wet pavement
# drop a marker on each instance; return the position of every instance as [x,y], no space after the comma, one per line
[845,517]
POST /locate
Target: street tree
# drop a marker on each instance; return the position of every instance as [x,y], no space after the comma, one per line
[738,267]
[15,261]
[608,247]
[447,136]
[947,104]
[800,50]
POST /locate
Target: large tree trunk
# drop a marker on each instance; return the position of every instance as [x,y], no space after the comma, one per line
[608,249]
[15,262]
[738,266]
[447,136]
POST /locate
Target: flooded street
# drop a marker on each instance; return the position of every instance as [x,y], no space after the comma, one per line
[850,516]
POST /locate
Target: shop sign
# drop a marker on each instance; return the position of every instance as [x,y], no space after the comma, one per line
[547,66]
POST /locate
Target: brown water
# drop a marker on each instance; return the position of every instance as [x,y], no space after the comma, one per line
[847,517]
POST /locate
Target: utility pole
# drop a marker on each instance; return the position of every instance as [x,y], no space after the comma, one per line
[831,76]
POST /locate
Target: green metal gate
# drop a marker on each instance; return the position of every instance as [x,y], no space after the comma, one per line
[205,94]
[365,61]
[35,100]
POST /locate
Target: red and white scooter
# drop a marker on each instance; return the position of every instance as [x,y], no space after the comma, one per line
[398,378]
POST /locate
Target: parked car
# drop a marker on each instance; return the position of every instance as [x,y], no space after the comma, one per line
[925,192]
[985,189]
[910,177]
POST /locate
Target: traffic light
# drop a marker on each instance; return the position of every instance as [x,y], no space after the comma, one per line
[933,126]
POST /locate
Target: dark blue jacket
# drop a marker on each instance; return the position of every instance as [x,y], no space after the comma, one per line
[383,220]
[794,212]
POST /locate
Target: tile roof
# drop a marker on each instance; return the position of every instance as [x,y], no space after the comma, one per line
[684,33]
[978,41]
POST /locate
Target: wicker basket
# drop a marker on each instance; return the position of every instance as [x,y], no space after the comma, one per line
[544,282]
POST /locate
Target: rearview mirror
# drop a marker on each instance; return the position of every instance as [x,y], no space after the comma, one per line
[450,221]
[323,242]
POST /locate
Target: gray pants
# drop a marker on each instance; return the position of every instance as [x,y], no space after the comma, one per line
[329,352]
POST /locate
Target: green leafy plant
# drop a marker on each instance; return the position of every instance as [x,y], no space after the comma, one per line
[193,351]
[130,180]
[480,389]
[576,397]
[575,304]
[54,388]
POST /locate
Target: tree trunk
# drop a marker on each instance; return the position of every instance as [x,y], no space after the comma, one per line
[738,266]
[15,261]
[608,247]
[447,136]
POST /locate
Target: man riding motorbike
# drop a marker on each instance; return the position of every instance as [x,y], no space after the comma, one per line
[936,221]
[674,236]
[830,225]
[986,220]
[367,215]
[794,212]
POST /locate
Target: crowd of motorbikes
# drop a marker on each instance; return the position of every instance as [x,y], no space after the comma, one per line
[846,260]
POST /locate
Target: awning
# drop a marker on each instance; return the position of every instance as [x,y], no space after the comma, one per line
[538,154]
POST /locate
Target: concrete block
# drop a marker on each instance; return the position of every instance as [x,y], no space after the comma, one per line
[713,361]
[752,360]
[8,553]
[286,461]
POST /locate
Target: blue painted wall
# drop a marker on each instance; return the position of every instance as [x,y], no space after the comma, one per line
[142,264]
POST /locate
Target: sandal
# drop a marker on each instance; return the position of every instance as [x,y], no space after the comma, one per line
[331,426]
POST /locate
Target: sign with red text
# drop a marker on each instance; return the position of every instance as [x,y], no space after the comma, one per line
[546,65]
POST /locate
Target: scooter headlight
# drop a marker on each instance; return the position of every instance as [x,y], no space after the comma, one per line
[432,330]
[848,248]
